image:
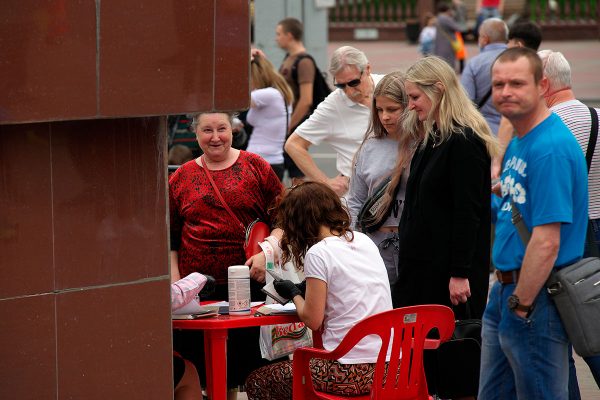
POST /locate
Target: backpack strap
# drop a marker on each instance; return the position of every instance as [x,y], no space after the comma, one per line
[593,138]
[295,65]
[484,99]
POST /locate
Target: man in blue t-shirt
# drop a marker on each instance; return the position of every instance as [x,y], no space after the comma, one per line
[525,347]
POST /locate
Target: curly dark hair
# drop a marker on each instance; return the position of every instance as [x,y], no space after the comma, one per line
[302,211]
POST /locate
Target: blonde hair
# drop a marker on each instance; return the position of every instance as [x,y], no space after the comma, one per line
[264,75]
[451,108]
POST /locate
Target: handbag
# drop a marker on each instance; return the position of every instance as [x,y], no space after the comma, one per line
[367,220]
[575,291]
[452,370]
[277,341]
[256,231]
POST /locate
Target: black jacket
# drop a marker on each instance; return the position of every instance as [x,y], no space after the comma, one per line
[445,225]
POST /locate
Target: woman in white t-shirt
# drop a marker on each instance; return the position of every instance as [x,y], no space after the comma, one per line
[271,102]
[346,281]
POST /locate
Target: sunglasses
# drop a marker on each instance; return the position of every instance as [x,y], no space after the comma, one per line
[352,83]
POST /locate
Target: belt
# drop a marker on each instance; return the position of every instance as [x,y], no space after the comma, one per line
[506,277]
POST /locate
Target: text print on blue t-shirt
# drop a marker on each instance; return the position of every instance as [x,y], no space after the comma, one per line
[509,186]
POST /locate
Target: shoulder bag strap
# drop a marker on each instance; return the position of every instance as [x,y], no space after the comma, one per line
[517,220]
[287,116]
[441,29]
[484,99]
[589,155]
[214,185]
[593,137]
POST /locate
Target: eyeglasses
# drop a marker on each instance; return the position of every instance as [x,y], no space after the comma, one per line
[352,83]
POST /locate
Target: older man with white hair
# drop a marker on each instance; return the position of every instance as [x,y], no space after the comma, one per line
[341,120]
[579,119]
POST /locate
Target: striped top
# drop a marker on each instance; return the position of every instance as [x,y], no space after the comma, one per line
[577,117]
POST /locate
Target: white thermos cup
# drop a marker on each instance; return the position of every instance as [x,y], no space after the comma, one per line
[239,290]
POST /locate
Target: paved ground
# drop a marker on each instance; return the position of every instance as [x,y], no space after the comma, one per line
[584,57]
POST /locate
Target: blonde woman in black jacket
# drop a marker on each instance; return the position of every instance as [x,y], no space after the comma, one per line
[445,226]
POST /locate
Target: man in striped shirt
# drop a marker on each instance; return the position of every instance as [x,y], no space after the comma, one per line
[561,100]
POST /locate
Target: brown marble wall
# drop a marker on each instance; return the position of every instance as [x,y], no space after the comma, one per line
[84,277]
[63,60]
[85,88]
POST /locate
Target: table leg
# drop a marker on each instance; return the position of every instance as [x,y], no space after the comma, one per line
[215,356]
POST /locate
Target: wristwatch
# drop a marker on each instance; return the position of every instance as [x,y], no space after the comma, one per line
[514,304]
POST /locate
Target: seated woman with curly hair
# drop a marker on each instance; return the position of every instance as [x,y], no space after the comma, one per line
[346,281]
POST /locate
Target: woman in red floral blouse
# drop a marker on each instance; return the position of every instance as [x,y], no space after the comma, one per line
[204,236]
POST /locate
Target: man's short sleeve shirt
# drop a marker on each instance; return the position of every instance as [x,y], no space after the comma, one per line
[544,173]
[341,123]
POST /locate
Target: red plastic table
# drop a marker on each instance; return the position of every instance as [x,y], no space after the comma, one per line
[215,343]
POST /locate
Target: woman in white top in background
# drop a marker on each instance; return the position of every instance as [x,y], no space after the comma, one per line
[271,102]
[385,153]
[345,283]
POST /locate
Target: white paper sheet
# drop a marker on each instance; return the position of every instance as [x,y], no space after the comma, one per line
[278,307]
[193,307]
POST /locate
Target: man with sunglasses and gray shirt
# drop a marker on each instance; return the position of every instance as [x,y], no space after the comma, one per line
[341,120]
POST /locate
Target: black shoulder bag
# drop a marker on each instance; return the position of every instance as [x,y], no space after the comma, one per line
[367,220]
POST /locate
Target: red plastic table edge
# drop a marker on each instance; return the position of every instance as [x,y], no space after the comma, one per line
[215,343]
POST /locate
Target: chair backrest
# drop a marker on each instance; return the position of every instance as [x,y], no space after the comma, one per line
[405,330]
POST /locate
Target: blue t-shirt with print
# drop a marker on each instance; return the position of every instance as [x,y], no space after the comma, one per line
[546,175]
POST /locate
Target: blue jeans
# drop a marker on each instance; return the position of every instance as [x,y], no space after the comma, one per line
[523,358]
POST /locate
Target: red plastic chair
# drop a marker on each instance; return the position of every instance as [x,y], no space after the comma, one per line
[406,328]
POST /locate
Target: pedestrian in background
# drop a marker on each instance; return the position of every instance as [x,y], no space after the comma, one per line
[427,35]
[271,102]
[477,76]
[446,28]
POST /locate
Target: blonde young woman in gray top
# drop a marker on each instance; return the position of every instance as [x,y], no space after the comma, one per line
[386,152]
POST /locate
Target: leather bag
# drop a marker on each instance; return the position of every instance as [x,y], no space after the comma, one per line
[256,232]
[367,220]
[575,291]
[453,369]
